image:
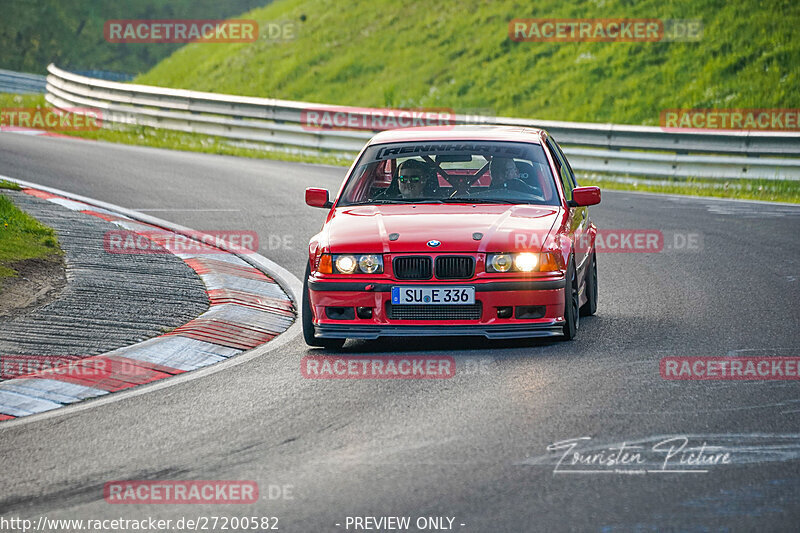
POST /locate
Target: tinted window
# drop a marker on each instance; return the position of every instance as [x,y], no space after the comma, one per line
[566,161]
[565,172]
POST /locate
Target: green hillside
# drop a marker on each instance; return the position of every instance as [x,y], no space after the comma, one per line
[457,54]
[69,33]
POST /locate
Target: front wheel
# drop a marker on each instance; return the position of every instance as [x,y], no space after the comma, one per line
[308,322]
[590,307]
[571,303]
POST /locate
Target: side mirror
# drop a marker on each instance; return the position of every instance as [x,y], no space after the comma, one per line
[583,196]
[317,197]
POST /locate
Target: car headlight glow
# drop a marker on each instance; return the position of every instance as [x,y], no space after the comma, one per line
[346,264]
[357,264]
[526,262]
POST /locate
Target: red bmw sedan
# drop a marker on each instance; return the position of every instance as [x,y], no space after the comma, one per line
[469,230]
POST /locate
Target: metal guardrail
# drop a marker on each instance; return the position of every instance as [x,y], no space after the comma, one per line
[105,75]
[21,83]
[620,149]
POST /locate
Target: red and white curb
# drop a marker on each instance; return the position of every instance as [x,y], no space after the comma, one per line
[247,309]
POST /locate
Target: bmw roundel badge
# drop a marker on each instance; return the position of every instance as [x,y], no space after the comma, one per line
[433,243]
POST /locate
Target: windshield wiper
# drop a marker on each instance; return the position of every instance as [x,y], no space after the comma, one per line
[437,201]
[477,201]
[452,201]
[403,201]
[382,201]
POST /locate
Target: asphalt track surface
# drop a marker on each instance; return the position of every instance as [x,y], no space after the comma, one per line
[161,292]
[473,447]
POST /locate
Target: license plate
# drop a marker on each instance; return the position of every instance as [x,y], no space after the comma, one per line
[433,295]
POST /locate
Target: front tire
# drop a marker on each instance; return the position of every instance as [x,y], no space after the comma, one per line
[308,322]
[590,307]
[571,303]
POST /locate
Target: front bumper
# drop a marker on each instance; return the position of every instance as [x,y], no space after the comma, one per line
[550,328]
[490,294]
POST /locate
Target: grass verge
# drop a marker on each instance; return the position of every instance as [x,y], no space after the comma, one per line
[9,185]
[22,237]
[21,100]
[439,54]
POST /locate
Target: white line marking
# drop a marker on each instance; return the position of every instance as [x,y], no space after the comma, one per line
[583,472]
[168,210]
[678,471]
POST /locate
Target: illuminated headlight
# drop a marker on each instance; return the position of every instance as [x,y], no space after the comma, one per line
[357,264]
[499,262]
[526,262]
[345,264]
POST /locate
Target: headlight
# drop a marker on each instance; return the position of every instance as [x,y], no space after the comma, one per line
[500,262]
[370,264]
[345,264]
[524,262]
[357,264]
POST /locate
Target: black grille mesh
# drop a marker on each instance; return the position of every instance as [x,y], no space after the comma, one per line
[413,267]
[454,267]
[434,312]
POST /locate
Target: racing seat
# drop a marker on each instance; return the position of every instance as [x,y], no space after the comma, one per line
[432,184]
[530,175]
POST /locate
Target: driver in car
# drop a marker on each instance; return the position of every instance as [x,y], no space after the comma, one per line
[412,178]
[505,175]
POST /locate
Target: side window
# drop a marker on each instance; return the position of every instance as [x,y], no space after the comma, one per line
[565,173]
[564,158]
[358,189]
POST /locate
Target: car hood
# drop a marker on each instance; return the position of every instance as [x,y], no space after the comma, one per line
[371,229]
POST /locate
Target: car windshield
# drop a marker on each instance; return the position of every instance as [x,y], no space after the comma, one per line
[451,172]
